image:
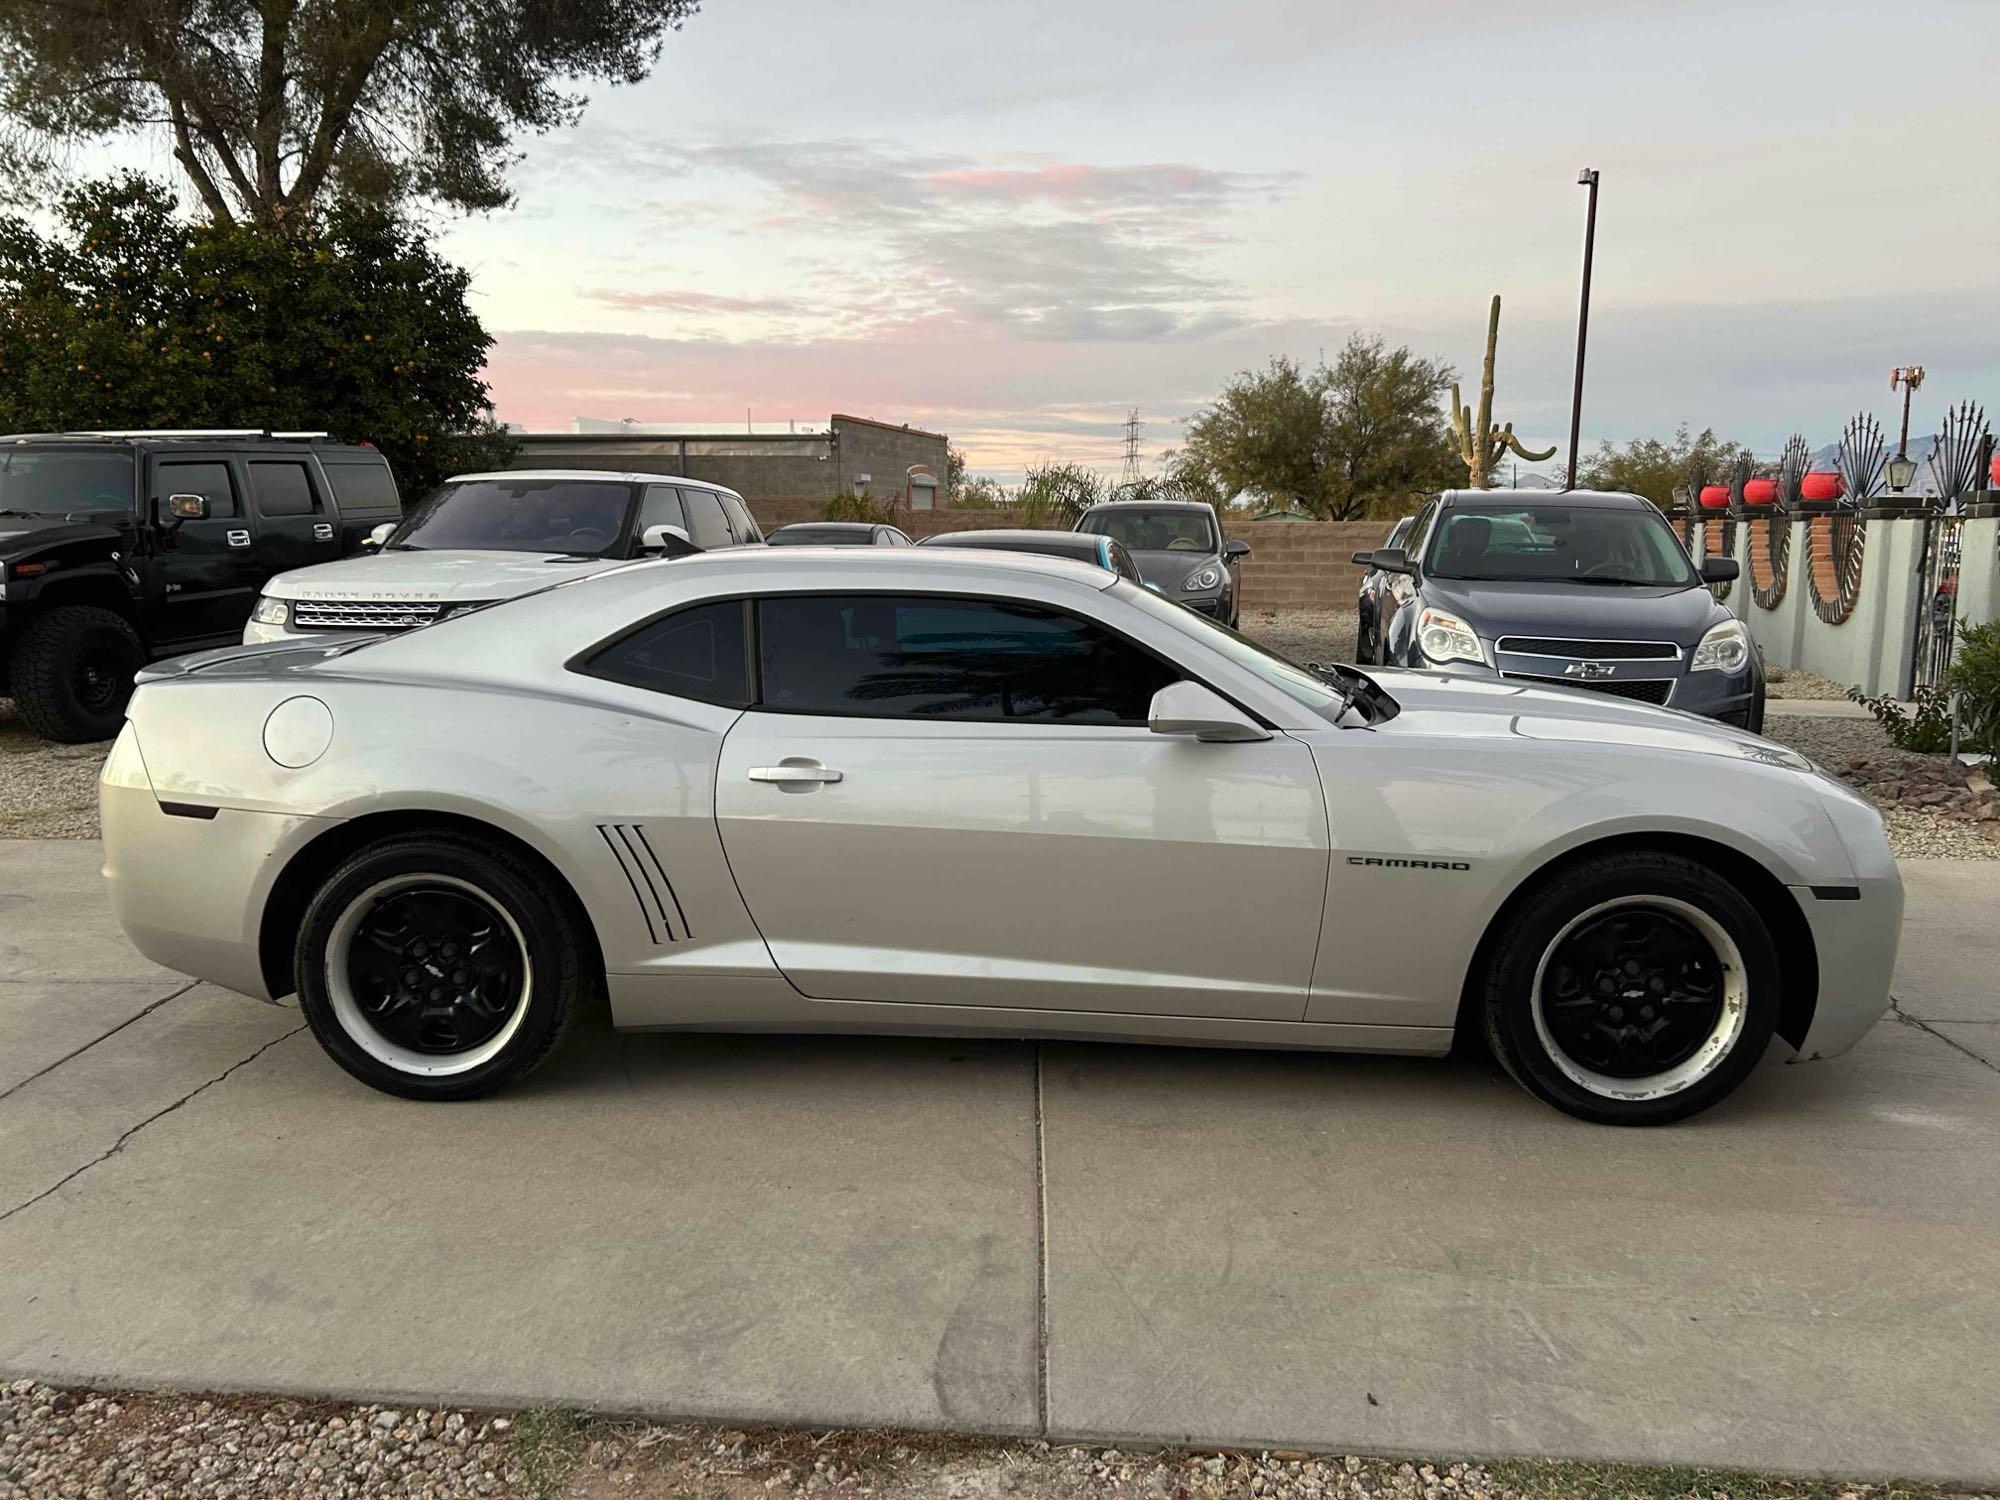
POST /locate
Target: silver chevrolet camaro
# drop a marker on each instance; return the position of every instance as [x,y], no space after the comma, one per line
[944,791]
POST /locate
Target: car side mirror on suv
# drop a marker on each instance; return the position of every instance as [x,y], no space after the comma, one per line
[1388,559]
[1201,712]
[1720,569]
[1234,548]
[379,534]
[188,507]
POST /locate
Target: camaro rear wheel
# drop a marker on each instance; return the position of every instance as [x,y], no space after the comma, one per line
[439,967]
[1633,989]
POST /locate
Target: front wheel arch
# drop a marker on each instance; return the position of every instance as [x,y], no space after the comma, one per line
[308,869]
[1776,903]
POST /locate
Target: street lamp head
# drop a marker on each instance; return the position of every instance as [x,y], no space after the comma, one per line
[1587,177]
[1900,470]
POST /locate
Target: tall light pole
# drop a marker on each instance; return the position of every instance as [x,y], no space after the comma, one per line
[1900,469]
[1586,178]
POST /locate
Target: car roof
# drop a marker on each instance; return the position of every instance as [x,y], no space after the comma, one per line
[1609,499]
[163,438]
[1074,541]
[809,568]
[1150,505]
[608,476]
[831,526]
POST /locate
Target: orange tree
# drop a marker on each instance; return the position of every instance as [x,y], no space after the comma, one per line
[125,314]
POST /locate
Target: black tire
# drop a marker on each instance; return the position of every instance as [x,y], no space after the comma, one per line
[71,671]
[1640,904]
[459,874]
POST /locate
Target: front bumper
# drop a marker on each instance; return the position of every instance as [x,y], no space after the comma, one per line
[1856,941]
[1731,697]
[190,890]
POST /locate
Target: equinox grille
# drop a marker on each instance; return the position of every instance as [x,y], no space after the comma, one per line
[1644,689]
[1535,645]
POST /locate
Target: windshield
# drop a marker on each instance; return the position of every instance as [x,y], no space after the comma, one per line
[1286,676]
[577,517]
[1146,529]
[1555,543]
[64,481]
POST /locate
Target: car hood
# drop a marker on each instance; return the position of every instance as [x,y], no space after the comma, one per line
[22,534]
[1167,571]
[435,575]
[1578,610]
[1481,704]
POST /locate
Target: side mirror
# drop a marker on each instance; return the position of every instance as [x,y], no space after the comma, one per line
[668,541]
[1720,569]
[379,535]
[1391,560]
[188,507]
[1363,559]
[1234,548]
[1191,709]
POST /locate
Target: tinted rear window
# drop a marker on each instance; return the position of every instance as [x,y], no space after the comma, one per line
[282,487]
[693,653]
[363,488]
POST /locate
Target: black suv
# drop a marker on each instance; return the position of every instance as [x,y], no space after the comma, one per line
[116,547]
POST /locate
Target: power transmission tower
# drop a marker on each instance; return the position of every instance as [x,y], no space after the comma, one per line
[1132,428]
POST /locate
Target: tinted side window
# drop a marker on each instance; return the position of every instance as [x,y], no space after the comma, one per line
[660,505]
[363,489]
[740,520]
[706,526]
[210,480]
[692,653]
[282,488]
[935,657]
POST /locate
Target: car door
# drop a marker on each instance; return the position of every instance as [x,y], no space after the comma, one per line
[296,524]
[207,572]
[953,801]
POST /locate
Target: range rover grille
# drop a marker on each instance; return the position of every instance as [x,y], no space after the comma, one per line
[1535,645]
[364,614]
[1644,689]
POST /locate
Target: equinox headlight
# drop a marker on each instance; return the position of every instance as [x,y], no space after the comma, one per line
[1726,648]
[270,611]
[1444,638]
[1207,576]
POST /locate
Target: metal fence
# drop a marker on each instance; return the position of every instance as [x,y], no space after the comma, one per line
[1937,601]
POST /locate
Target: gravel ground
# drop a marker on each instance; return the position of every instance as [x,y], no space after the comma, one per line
[1303,635]
[1796,682]
[46,791]
[1914,832]
[138,1446]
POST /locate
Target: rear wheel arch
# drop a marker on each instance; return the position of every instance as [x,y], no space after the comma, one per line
[1775,903]
[308,869]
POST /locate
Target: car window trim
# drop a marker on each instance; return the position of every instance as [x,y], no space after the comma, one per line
[754,668]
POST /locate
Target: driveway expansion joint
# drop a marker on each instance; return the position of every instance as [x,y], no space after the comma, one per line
[1041,1258]
[1896,1009]
[119,1144]
[138,1015]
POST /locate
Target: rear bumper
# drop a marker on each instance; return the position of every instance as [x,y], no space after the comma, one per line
[190,890]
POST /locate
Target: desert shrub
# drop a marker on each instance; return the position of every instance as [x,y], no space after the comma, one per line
[1928,730]
[1975,677]
[850,506]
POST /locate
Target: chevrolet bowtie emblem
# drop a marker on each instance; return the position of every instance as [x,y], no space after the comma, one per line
[1587,669]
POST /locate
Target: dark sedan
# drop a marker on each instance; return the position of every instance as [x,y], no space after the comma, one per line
[1583,589]
[837,534]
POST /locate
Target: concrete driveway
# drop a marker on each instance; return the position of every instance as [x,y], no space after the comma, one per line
[1115,1242]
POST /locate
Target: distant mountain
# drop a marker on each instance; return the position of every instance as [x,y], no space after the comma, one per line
[1920,450]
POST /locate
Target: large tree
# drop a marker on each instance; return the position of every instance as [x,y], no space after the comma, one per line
[1361,435]
[1652,467]
[272,106]
[126,315]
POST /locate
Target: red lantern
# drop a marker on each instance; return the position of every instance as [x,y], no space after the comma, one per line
[1995,471]
[1822,484]
[1715,497]
[1760,492]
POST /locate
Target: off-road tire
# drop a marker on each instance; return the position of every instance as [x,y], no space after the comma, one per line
[558,957]
[1533,926]
[71,672]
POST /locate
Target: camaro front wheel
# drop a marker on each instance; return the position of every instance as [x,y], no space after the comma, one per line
[1635,988]
[438,967]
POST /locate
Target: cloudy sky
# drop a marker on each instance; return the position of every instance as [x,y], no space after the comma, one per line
[1013,223]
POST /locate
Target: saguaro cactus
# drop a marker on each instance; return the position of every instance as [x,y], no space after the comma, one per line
[1481,446]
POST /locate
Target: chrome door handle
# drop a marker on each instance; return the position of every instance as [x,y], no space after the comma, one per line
[793,773]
